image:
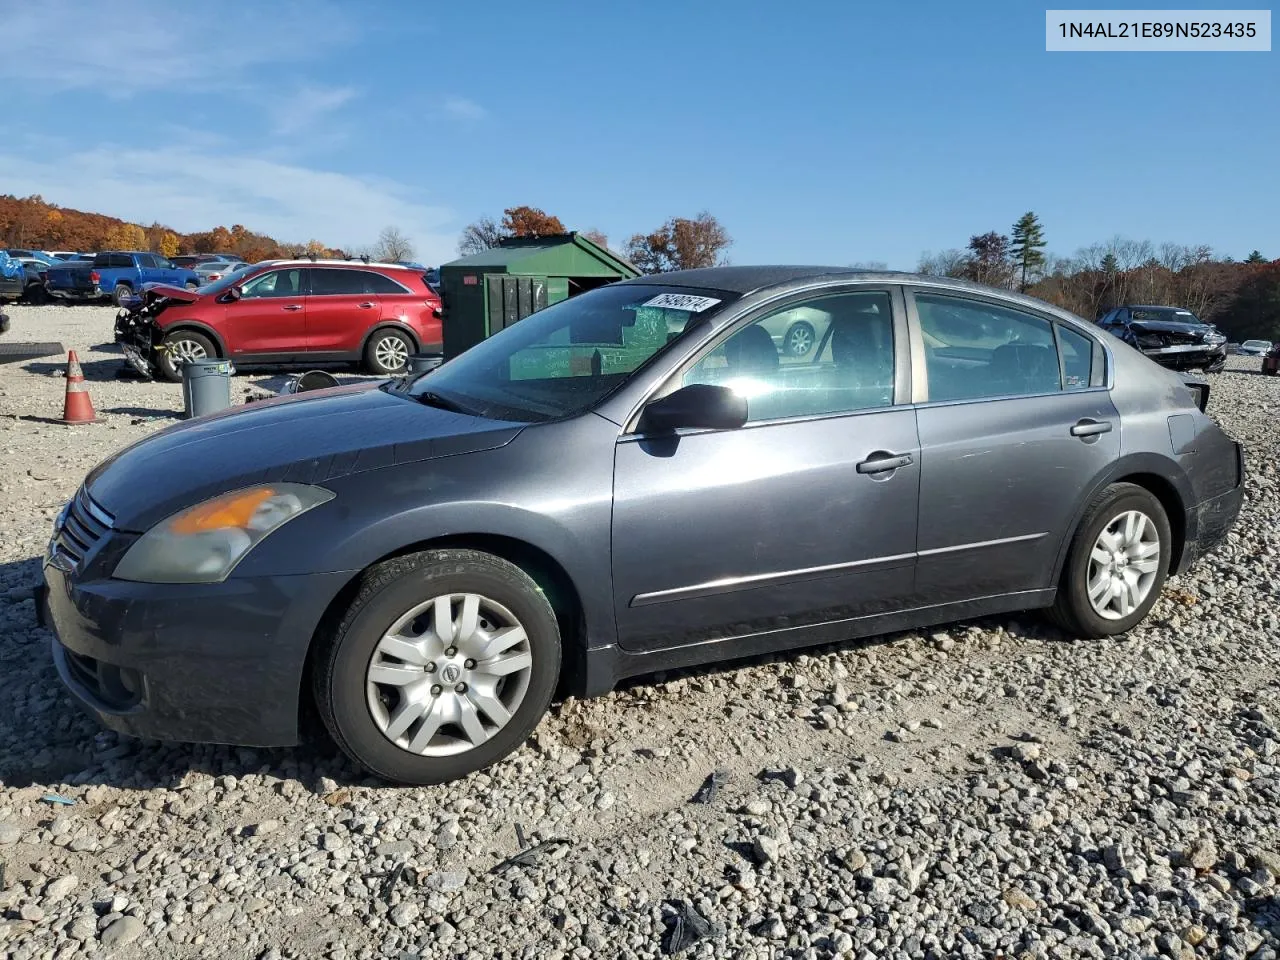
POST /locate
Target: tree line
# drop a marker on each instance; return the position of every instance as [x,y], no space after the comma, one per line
[681,243]
[1240,297]
[33,223]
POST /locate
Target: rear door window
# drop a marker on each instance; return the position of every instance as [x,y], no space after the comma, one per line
[335,281]
[976,349]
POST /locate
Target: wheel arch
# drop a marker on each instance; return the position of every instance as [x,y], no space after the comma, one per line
[1162,479]
[389,325]
[195,326]
[544,569]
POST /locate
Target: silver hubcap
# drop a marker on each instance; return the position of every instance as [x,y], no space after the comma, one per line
[448,675]
[184,351]
[392,353]
[800,341]
[1123,565]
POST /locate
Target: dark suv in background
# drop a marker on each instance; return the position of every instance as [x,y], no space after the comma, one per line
[1171,336]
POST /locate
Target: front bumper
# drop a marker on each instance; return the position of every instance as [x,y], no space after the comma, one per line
[208,663]
[1188,356]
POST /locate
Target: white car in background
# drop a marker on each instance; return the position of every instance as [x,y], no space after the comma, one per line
[1255,348]
[212,270]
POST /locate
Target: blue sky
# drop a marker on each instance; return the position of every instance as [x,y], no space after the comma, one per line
[827,132]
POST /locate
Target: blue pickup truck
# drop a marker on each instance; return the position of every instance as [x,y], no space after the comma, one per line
[114,275]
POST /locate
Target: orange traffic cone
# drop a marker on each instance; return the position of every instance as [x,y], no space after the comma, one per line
[77,408]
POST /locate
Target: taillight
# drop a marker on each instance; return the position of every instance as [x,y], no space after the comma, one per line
[94,276]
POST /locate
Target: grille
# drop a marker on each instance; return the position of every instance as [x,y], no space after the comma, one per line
[83,526]
[1173,338]
[115,688]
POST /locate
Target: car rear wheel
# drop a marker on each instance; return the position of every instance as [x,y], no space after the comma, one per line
[799,339]
[387,352]
[180,347]
[121,293]
[192,285]
[1116,564]
[443,664]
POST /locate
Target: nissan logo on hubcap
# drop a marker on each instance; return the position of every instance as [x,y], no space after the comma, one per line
[451,673]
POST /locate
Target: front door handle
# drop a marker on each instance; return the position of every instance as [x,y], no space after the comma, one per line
[881,462]
[364,306]
[294,306]
[1091,428]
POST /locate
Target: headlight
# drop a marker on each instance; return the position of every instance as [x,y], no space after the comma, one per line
[204,543]
[1149,340]
[1213,339]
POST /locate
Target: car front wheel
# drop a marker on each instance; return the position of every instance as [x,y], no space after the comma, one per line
[1116,564]
[443,664]
[387,353]
[181,347]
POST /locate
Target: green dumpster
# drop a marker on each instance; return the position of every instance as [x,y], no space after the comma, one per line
[493,289]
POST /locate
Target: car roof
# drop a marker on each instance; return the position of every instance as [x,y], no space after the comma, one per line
[1159,306]
[747,280]
[308,262]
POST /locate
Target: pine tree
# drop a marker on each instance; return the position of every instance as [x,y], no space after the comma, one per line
[1110,265]
[1026,247]
[1255,257]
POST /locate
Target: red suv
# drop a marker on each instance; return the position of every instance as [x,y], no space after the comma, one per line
[288,311]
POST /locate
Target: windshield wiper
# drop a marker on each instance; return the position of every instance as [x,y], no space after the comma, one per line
[444,403]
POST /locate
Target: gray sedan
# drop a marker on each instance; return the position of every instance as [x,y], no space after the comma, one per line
[611,487]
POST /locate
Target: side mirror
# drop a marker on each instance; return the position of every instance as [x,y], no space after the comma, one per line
[699,405]
[235,293]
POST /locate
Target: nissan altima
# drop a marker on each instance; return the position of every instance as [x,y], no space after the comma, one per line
[634,479]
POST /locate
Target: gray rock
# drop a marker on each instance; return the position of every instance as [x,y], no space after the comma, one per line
[59,888]
[395,848]
[447,881]
[765,849]
[10,833]
[405,913]
[123,931]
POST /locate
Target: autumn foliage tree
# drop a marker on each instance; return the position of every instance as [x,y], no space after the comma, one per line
[530,222]
[680,244]
[31,222]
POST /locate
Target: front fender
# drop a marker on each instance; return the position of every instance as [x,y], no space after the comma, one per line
[530,491]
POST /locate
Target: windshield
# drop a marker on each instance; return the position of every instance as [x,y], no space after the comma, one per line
[1256,343]
[1164,314]
[565,359]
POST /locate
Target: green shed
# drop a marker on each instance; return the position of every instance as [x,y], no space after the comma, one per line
[493,289]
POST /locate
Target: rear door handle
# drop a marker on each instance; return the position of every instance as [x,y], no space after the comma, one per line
[1091,428]
[881,462]
[293,306]
[364,306]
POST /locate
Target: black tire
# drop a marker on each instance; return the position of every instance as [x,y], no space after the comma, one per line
[168,367]
[800,339]
[1071,609]
[192,285]
[379,344]
[386,591]
[121,293]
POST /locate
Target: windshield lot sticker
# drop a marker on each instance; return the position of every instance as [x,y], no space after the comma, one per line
[681,301]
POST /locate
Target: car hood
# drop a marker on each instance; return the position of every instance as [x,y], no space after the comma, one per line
[154,291]
[311,437]
[1169,326]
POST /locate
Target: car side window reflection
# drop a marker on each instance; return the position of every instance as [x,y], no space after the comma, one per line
[828,355]
[977,350]
[276,283]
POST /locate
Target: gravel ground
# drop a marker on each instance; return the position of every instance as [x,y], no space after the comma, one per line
[990,789]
